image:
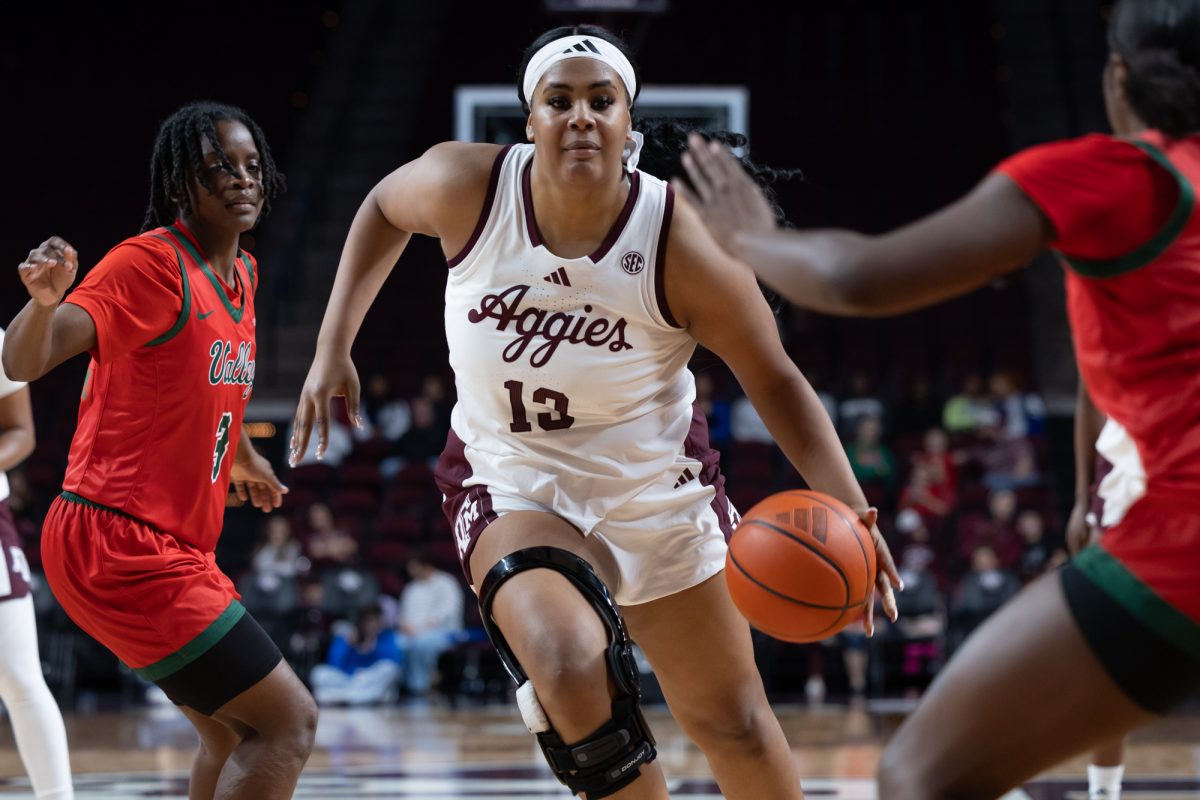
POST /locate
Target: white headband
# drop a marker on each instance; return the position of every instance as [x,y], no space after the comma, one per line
[578,47]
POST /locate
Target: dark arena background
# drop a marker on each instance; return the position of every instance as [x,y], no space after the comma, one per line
[958,419]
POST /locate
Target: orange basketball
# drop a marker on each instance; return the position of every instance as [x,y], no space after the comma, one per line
[800,566]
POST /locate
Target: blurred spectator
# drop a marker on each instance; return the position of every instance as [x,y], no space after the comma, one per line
[716,411]
[20,495]
[1007,463]
[309,625]
[871,459]
[425,440]
[914,543]
[433,389]
[918,410]
[278,553]
[1022,414]
[860,404]
[363,665]
[985,588]
[969,410]
[942,464]
[1038,552]
[747,425]
[997,531]
[328,544]
[338,445]
[932,500]
[384,414]
[430,614]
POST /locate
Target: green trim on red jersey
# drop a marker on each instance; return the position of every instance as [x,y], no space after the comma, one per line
[186,310]
[196,647]
[1161,241]
[250,271]
[236,313]
[1114,579]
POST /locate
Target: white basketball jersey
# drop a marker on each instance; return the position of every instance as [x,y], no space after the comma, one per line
[573,387]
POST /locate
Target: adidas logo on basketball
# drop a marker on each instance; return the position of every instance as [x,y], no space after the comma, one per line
[813,521]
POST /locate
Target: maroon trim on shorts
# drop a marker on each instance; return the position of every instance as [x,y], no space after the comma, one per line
[696,446]
[468,509]
[660,269]
[614,233]
[488,201]
[10,537]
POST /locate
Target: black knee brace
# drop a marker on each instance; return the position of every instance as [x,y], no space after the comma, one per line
[611,757]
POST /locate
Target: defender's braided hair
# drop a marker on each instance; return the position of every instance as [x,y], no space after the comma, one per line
[178,154]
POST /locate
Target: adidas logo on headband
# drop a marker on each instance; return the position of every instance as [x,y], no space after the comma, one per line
[583,47]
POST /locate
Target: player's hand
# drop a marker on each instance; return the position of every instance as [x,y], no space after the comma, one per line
[728,200]
[254,480]
[332,374]
[49,271]
[1079,533]
[886,575]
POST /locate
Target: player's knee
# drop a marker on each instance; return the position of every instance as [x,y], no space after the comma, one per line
[729,726]
[568,664]
[20,685]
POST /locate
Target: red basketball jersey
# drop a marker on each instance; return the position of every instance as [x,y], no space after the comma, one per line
[1134,312]
[161,411]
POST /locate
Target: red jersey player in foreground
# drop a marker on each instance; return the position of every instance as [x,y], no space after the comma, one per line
[1081,656]
[168,319]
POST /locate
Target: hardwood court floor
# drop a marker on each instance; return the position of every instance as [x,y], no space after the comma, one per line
[440,753]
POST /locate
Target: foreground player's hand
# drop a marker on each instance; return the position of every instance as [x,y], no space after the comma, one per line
[728,200]
[255,481]
[886,575]
[49,271]
[332,374]
[1079,533]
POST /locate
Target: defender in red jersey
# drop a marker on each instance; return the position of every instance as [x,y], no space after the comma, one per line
[1114,639]
[168,319]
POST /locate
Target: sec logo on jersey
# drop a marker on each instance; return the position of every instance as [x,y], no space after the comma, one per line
[633,262]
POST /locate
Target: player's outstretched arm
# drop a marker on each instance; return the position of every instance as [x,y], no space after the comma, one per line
[440,195]
[993,230]
[716,298]
[46,333]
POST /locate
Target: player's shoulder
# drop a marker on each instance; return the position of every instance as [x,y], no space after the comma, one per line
[149,248]
[1095,150]
[461,163]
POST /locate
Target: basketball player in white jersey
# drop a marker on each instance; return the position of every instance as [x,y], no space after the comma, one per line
[586,504]
[37,723]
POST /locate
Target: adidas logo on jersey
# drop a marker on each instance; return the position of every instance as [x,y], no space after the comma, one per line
[684,477]
[559,277]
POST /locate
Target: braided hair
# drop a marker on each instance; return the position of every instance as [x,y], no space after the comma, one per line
[178,155]
[665,143]
[1159,41]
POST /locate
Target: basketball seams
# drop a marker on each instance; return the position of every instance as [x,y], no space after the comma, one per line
[815,551]
[781,595]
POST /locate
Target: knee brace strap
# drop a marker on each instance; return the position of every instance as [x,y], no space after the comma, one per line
[610,758]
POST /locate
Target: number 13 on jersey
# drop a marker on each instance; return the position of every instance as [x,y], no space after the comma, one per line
[546,420]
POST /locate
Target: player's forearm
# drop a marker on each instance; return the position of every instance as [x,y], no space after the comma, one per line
[371,250]
[1088,422]
[28,343]
[16,445]
[796,418]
